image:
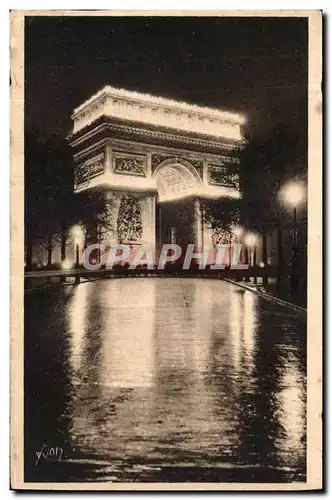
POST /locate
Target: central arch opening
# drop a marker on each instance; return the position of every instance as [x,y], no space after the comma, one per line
[177,209]
[176,181]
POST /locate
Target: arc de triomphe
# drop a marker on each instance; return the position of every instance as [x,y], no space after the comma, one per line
[156,159]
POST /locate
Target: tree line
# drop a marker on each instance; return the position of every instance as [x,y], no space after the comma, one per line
[51,207]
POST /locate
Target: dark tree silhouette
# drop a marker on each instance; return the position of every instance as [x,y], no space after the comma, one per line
[222,216]
[265,166]
[48,194]
[51,206]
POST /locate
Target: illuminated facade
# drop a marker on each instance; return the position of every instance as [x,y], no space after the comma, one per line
[155,159]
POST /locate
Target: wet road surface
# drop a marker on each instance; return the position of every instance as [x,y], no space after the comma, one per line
[164,379]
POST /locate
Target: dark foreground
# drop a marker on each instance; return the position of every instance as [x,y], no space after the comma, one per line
[163,379]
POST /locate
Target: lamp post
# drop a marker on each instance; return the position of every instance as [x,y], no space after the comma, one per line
[230,250]
[77,234]
[238,230]
[251,243]
[293,195]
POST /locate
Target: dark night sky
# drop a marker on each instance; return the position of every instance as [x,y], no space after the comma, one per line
[257,66]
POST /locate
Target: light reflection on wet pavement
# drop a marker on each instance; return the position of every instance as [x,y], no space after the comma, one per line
[164,379]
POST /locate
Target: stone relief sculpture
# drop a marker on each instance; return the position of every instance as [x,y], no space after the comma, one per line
[133,166]
[129,222]
[156,159]
[223,176]
[89,169]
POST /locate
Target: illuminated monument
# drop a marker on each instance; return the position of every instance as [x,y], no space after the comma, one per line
[156,159]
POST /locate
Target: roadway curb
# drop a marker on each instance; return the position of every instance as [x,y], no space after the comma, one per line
[57,285]
[268,296]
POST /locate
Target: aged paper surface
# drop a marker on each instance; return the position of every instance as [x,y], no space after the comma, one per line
[141,403]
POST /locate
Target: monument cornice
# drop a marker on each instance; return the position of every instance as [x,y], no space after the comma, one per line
[149,109]
[151,134]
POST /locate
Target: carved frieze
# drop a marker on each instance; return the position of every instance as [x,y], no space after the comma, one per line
[156,159]
[198,164]
[223,176]
[225,160]
[97,167]
[129,165]
[89,169]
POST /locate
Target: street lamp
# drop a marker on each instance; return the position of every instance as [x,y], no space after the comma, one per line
[78,239]
[238,231]
[66,264]
[250,241]
[293,195]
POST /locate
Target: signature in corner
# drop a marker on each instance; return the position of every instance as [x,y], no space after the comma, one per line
[49,453]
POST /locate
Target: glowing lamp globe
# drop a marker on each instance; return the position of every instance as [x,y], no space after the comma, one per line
[293,194]
[238,231]
[250,239]
[77,234]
